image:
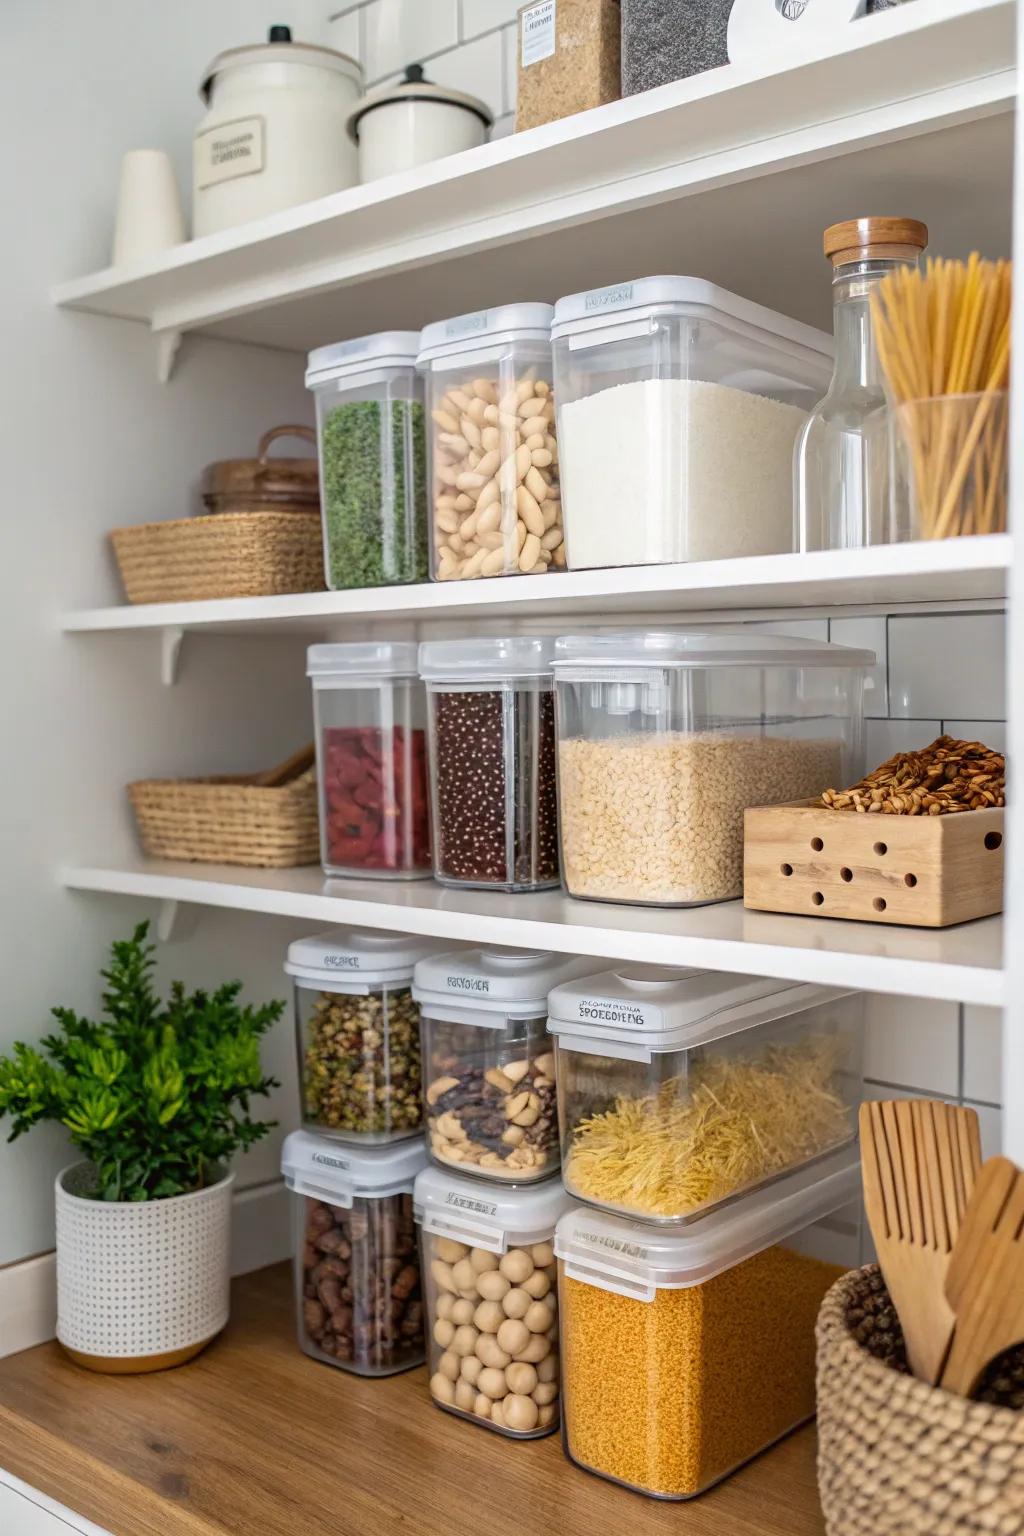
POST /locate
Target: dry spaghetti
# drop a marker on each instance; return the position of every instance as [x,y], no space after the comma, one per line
[727,1125]
[943,336]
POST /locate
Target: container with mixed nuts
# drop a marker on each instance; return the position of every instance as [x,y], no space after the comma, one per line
[357,1277]
[489,1080]
[490,1299]
[358,1034]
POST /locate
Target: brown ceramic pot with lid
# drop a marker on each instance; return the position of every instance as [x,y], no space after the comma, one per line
[264,484]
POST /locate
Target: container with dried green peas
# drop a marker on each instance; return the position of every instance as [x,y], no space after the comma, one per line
[358,1034]
[687,1352]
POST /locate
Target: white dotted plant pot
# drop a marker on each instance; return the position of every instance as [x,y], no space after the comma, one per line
[141,1286]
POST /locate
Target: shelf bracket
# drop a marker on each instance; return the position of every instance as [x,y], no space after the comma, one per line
[176,920]
[170,653]
[167,344]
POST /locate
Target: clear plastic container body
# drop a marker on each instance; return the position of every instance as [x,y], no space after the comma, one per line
[373,479]
[493,797]
[372,773]
[490,1097]
[656,765]
[359,1062]
[492,1320]
[357,1284]
[671,1138]
[493,450]
[841,462]
[667,1390]
[676,425]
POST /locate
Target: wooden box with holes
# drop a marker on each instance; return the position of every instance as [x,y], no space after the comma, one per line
[925,871]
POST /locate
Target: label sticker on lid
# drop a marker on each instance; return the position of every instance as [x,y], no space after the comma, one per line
[331,1162]
[615,1244]
[464,1203]
[608,298]
[463,325]
[334,962]
[538,32]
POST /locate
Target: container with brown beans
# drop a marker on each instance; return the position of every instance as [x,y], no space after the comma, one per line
[492,762]
[491,1305]
[358,1033]
[358,1298]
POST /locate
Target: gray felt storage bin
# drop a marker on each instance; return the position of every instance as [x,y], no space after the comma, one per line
[666,40]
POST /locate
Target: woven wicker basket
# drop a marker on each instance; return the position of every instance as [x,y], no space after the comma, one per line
[899,1458]
[228,820]
[231,554]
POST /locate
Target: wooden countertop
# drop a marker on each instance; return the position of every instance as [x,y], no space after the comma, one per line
[254,1439]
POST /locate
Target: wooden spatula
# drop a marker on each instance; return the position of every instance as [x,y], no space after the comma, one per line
[920,1159]
[985,1283]
[291,768]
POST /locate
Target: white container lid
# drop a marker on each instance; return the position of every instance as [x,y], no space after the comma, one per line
[640,1011]
[484,328]
[354,959]
[361,658]
[488,986]
[415,87]
[692,297]
[480,659]
[315,1166]
[279,53]
[488,1216]
[364,354]
[634,1259]
[735,646]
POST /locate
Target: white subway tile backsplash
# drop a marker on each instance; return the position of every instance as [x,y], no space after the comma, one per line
[510,71]
[345,34]
[991,732]
[504,126]
[948,664]
[867,634]
[990,1123]
[476,68]
[401,32]
[983,1053]
[484,15]
[883,738]
[913,1043]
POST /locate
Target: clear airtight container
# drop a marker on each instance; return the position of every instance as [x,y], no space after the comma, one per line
[488,1067]
[372,445]
[678,407]
[495,499]
[686,1353]
[371,754]
[681,1090]
[492,762]
[491,1301]
[358,1034]
[357,1275]
[664,739]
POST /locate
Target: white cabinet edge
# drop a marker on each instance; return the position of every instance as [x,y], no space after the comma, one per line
[24,1511]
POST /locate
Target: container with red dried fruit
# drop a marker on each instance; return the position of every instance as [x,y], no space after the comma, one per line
[357,1275]
[369,712]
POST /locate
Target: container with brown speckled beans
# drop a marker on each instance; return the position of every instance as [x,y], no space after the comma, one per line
[567,59]
[492,762]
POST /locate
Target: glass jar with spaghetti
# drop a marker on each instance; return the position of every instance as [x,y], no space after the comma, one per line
[680,1090]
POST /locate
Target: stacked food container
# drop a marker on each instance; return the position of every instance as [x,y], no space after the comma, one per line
[707,1121]
[487,1208]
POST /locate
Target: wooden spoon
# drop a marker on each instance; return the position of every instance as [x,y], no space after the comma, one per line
[985,1283]
[920,1159]
[291,768]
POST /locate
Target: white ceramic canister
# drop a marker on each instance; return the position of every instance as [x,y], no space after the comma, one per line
[275,131]
[399,126]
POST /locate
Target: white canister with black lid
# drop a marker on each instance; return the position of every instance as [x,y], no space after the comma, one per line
[413,121]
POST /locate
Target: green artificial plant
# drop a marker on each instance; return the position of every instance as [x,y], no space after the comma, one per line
[155,1095]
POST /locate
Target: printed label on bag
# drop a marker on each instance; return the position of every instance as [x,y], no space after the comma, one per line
[229,150]
[538,32]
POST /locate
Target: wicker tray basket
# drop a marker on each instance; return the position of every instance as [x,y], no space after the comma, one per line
[230,554]
[899,1458]
[229,820]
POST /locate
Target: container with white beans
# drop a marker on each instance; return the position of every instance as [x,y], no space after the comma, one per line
[665,739]
[496,505]
[491,1304]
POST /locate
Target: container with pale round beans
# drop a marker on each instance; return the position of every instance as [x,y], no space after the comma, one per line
[496,507]
[491,1301]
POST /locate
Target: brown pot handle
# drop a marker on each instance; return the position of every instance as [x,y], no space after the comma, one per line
[306,433]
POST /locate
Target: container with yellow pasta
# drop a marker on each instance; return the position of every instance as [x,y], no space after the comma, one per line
[685,1353]
[680,1090]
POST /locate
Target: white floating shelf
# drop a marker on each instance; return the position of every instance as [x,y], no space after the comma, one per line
[917,100]
[962,964]
[968,569]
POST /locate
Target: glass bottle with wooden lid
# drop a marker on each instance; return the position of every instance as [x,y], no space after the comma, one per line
[841,461]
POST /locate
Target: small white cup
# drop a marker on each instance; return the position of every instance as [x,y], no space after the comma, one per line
[149,211]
